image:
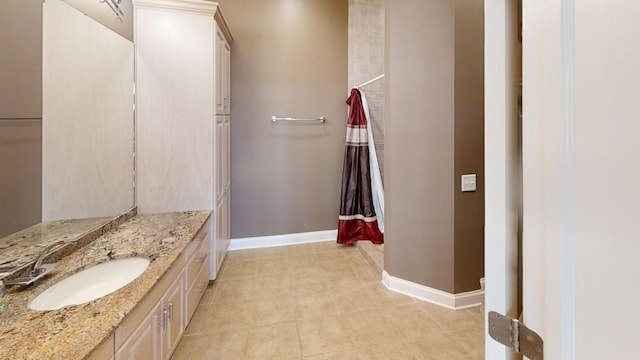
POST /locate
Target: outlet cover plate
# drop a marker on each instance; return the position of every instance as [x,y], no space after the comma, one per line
[468,182]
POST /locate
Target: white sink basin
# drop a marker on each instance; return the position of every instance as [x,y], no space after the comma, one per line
[90,284]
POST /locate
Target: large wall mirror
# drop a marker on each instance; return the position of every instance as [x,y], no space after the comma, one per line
[66,111]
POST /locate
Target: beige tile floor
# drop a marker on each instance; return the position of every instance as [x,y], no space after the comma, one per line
[320,301]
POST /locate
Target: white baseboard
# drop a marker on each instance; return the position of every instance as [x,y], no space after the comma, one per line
[451,301]
[282,240]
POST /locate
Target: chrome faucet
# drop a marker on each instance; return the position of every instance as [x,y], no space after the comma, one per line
[38,268]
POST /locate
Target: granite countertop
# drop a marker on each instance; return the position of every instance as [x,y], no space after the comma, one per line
[73,333]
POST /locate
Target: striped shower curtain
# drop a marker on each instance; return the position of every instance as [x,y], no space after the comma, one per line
[357,219]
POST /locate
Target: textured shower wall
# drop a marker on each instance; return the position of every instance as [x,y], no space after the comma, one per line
[366,61]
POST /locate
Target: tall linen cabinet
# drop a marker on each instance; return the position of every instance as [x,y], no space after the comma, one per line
[182,57]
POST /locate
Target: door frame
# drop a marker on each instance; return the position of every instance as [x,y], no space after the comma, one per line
[548,181]
[501,152]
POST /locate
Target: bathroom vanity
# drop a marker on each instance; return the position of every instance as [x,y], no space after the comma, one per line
[144,319]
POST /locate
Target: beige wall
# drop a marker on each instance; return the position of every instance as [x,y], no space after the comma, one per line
[21,59]
[20,174]
[433,135]
[419,156]
[289,58]
[469,143]
[20,114]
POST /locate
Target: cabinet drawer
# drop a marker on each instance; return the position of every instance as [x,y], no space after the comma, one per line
[201,236]
[205,246]
[196,290]
[198,256]
[194,267]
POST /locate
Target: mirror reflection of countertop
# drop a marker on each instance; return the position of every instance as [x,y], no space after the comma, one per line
[74,332]
[21,248]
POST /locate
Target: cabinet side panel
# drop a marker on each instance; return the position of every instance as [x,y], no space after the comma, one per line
[175,106]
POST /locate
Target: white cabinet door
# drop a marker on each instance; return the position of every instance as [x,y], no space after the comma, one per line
[220,158]
[227,77]
[222,222]
[226,147]
[159,333]
[145,343]
[220,225]
[173,304]
[227,197]
[222,59]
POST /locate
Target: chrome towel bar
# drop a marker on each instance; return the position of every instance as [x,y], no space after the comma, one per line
[275,119]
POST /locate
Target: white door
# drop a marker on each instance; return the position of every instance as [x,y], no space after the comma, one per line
[581,130]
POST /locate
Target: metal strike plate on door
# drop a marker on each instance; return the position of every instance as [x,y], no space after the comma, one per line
[514,334]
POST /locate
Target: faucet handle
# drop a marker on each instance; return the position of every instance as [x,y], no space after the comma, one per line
[40,270]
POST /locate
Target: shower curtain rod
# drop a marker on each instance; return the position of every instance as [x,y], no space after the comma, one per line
[371,81]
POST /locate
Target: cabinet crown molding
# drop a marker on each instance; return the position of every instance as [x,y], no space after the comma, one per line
[192,6]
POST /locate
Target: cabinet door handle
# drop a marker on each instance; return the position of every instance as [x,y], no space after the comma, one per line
[170,311]
[165,319]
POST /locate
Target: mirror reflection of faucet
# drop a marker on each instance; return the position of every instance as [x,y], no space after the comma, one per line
[7,270]
[39,269]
